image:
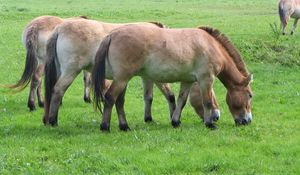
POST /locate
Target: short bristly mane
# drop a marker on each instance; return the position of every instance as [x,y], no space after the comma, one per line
[158,24]
[229,47]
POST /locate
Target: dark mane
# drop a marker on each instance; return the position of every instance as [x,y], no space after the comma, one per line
[83,16]
[158,24]
[229,47]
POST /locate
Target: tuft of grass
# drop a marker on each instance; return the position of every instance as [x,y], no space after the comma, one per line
[276,32]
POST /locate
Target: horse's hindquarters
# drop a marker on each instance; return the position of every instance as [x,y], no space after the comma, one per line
[296,13]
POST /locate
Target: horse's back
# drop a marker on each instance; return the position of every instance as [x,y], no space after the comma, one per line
[153,50]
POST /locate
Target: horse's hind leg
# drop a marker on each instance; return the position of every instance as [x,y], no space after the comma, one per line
[35,82]
[284,23]
[181,101]
[294,26]
[148,97]
[121,112]
[39,73]
[116,88]
[169,95]
[64,81]
[87,85]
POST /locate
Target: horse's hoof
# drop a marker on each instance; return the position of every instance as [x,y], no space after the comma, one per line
[45,121]
[41,104]
[211,126]
[53,121]
[124,127]
[87,99]
[31,107]
[283,33]
[104,127]
[176,124]
[292,33]
[148,119]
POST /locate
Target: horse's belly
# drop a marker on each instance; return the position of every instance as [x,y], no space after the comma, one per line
[166,74]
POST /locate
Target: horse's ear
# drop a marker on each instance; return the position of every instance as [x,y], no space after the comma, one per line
[249,80]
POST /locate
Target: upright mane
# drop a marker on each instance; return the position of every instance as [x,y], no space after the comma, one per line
[229,47]
[158,24]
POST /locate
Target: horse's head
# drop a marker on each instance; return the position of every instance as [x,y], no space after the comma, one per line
[239,101]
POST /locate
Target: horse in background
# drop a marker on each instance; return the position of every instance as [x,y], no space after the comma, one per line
[172,55]
[34,39]
[289,9]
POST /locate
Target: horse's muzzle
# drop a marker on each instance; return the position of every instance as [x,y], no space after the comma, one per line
[216,115]
[244,119]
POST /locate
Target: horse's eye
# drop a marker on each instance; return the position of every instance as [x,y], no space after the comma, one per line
[250,95]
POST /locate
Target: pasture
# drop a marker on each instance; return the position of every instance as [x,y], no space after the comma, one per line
[269,145]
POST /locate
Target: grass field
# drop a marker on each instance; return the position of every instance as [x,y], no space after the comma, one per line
[270,145]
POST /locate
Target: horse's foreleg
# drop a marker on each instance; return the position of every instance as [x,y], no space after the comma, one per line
[196,102]
[169,95]
[148,97]
[294,26]
[111,95]
[60,88]
[123,125]
[87,85]
[181,101]
[207,101]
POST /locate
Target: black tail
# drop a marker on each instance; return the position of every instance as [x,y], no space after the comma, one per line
[31,63]
[98,74]
[51,73]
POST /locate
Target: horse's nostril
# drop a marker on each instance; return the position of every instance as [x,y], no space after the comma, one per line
[244,121]
[216,115]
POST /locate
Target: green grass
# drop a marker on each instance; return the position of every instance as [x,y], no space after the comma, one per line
[270,145]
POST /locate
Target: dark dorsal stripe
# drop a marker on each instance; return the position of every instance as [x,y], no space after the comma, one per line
[229,47]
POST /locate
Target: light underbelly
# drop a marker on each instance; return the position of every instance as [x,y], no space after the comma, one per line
[168,74]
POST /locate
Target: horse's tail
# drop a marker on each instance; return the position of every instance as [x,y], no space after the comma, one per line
[282,14]
[98,73]
[31,63]
[51,73]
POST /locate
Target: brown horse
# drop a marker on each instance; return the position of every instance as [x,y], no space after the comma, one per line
[288,9]
[172,55]
[72,48]
[34,39]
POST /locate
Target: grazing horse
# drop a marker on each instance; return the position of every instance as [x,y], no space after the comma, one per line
[71,49]
[34,39]
[288,9]
[172,55]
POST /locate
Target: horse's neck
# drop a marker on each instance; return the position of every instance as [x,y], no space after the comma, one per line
[230,76]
